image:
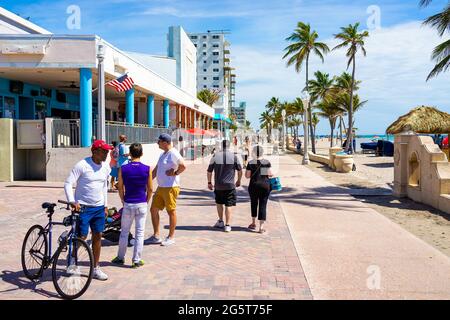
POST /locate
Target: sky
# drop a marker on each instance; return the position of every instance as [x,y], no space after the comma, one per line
[393,73]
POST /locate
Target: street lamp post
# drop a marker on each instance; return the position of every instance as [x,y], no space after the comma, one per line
[283,144]
[101,131]
[305,130]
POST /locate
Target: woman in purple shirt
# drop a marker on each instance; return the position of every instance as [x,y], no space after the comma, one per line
[135,190]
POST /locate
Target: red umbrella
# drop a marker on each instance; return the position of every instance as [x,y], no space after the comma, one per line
[196,131]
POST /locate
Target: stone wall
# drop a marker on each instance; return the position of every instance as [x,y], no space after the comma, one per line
[421,171]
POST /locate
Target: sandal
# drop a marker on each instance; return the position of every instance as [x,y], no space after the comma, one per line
[252,226]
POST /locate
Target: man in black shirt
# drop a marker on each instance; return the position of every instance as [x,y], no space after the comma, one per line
[224,164]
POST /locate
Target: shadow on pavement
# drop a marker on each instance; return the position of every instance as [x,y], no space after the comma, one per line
[23,283]
[380,165]
[403,203]
[208,228]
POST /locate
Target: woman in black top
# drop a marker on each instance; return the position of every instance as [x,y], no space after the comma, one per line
[258,171]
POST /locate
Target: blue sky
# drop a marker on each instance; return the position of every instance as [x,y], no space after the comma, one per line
[393,73]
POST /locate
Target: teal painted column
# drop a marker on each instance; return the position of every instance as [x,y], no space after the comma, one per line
[150,110]
[129,107]
[85,106]
[166,113]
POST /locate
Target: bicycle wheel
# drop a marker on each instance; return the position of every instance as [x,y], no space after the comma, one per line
[72,272]
[34,251]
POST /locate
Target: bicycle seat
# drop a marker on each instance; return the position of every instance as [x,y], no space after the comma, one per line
[47,205]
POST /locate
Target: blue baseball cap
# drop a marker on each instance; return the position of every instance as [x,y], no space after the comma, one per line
[165,137]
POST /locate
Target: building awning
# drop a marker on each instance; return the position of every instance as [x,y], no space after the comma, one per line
[221,117]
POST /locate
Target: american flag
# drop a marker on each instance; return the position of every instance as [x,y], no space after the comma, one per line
[123,83]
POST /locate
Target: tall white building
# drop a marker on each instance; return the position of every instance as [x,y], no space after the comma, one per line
[240,112]
[213,68]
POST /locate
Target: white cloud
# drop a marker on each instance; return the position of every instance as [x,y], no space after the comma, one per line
[393,75]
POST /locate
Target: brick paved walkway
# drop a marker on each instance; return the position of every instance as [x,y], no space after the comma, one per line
[205,263]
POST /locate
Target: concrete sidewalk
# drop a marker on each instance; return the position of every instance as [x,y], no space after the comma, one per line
[321,244]
[348,250]
[205,263]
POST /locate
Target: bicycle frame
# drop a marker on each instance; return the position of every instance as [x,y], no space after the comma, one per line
[48,233]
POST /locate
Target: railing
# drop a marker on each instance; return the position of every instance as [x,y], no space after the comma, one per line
[66,133]
[137,133]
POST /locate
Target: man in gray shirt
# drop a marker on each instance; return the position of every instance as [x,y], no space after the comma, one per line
[224,164]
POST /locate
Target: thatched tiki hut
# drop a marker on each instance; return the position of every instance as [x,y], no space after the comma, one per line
[428,120]
[421,169]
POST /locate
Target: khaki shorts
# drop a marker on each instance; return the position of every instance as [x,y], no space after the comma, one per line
[166,198]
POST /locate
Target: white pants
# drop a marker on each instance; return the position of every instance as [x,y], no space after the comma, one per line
[136,212]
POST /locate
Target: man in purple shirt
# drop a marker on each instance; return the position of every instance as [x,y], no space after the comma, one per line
[135,190]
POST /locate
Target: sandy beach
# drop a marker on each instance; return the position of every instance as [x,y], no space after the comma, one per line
[425,222]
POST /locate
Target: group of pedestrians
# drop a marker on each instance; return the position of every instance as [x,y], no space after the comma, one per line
[135,187]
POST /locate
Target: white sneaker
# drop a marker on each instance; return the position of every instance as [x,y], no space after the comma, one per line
[74,270]
[99,274]
[168,242]
[227,228]
[219,224]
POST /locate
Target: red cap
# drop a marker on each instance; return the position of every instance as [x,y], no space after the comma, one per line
[100,144]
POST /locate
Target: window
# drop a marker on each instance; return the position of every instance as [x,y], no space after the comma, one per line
[194,37]
[204,45]
[215,86]
[195,45]
[216,37]
[215,45]
[216,70]
[204,87]
[204,53]
[205,70]
[216,78]
[205,78]
[216,53]
[204,61]
[216,61]
[9,106]
[204,37]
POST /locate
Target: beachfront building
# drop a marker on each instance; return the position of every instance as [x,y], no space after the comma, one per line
[240,113]
[214,71]
[49,105]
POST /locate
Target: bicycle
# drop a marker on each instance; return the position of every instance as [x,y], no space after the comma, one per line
[72,272]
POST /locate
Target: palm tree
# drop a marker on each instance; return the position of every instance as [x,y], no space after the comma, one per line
[273,105]
[314,121]
[441,54]
[266,122]
[328,108]
[320,87]
[344,102]
[304,42]
[209,97]
[355,41]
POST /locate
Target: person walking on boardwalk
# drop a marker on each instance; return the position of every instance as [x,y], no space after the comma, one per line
[123,151]
[224,164]
[170,165]
[258,171]
[135,191]
[91,178]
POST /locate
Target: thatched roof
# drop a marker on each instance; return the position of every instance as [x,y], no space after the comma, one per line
[423,119]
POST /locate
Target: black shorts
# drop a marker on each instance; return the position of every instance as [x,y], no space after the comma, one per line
[226,197]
